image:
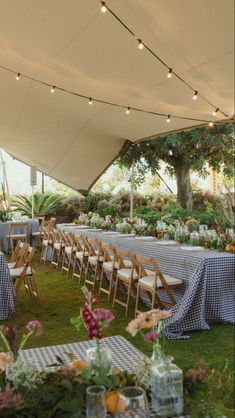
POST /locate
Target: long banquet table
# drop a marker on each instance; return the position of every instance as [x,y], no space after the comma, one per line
[207,295]
[32,226]
[7,292]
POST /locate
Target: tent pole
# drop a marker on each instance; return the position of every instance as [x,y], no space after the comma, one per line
[32,202]
[132,189]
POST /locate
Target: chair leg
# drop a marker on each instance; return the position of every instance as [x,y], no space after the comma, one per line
[115,292]
[137,299]
[128,298]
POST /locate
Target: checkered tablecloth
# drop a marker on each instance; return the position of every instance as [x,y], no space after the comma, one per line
[124,355]
[32,226]
[6,290]
[207,294]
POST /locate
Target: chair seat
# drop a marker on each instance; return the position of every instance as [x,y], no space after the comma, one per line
[57,245]
[125,273]
[36,233]
[128,263]
[149,281]
[93,259]
[46,242]
[17,271]
[80,254]
[11,265]
[16,236]
[108,265]
[68,250]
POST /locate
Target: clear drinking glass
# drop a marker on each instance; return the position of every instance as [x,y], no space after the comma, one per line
[132,399]
[95,405]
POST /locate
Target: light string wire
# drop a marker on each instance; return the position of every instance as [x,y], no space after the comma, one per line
[155,55]
[90,99]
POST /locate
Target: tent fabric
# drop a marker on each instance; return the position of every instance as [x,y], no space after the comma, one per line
[73,45]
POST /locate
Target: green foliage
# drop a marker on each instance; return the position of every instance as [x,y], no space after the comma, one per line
[90,202]
[189,149]
[44,204]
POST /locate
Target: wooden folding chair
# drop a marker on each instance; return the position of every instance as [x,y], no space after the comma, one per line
[69,249]
[126,274]
[109,269]
[25,275]
[80,257]
[58,248]
[152,283]
[47,243]
[94,261]
[15,236]
[19,255]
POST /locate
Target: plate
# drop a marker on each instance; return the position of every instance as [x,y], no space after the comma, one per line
[110,232]
[166,242]
[188,248]
[126,235]
[144,238]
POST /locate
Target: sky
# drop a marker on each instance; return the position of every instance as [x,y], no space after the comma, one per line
[18,175]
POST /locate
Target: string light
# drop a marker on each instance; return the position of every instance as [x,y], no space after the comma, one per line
[168,118]
[195,95]
[102,101]
[90,101]
[169,74]
[18,76]
[157,56]
[170,152]
[140,44]
[215,112]
[103,7]
[211,124]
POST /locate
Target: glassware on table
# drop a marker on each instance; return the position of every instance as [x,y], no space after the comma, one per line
[202,229]
[132,399]
[95,402]
[194,238]
[166,387]
[100,356]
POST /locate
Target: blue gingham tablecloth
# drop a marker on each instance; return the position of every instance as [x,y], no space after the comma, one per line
[124,357]
[207,294]
[7,292]
[33,226]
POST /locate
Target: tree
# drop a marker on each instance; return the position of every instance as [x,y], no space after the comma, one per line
[184,152]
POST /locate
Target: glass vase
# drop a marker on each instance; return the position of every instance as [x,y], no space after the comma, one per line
[100,357]
[166,386]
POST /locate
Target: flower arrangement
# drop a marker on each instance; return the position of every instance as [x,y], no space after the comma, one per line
[148,321]
[95,321]
[8,337]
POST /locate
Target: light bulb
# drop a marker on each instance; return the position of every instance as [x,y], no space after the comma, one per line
[168,118]
[211,124]
[215,112]
[170,152]
[195,95]
[90,101]
[103,7]
[140,44]
[18,76]
[53,89]
[169,74]
[128,110]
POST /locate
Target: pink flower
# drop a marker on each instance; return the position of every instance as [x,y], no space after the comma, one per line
[35,327]
[146,320]
[104,315]
[94,300]
[4,360]
[151,337]
[134,326]
[9,397]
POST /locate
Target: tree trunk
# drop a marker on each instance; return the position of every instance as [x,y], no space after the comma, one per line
[184,189]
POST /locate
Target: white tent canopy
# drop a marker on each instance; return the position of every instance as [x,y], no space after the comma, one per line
[71,44]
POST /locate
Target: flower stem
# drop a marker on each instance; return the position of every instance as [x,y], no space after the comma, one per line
[6,344]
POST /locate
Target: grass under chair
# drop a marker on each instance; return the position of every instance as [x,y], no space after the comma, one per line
[61,299]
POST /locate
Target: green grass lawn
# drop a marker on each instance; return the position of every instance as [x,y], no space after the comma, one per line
[61,299]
